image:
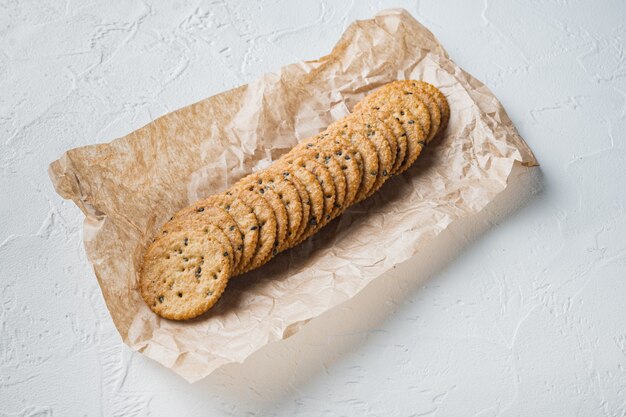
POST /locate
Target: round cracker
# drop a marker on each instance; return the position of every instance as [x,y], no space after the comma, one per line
[304,199]
[346,172]
[273,200]
[351,165]
[373,130]
[184,273]
[441,101]
[213,230]
[291,201]
[267,228]
[398,133]
[424,93]
[328,172]
[215,216]
[367,150]
[413,115]
[311,185]
[379,125]
[246,220]
[322,176]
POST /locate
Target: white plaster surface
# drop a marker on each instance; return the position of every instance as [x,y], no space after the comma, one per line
[520,312]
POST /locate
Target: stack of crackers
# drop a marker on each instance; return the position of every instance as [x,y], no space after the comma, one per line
[187,266]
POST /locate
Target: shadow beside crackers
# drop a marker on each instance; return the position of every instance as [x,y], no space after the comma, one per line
[297,258]
[273,372]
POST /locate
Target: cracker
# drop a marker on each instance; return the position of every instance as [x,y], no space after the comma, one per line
[197,223]
[366,149]
[291,201]
[183,274]
[351,164]
[348,158]
[313,162]
[346,173]
[267,228]
[211,216]
[328,172]
[441,101]
[271,197]
[385,131]
[413,115]
[424,93]
[398,133]
[372,129]
[311,185]
[304,199]
[246,220]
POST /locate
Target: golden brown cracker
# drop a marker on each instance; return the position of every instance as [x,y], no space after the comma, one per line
[183,274]
[207,215]
[267,228]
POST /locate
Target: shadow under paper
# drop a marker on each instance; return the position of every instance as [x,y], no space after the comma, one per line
[273,371]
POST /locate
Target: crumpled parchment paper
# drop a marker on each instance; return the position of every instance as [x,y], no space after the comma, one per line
[129,187]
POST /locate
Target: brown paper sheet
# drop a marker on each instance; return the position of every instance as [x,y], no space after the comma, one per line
[129,187]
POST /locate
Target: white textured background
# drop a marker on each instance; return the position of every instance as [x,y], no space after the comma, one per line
[521,311]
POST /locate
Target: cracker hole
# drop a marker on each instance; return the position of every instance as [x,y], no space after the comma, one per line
[180,295]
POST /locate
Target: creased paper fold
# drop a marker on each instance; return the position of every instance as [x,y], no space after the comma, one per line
[129,187]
